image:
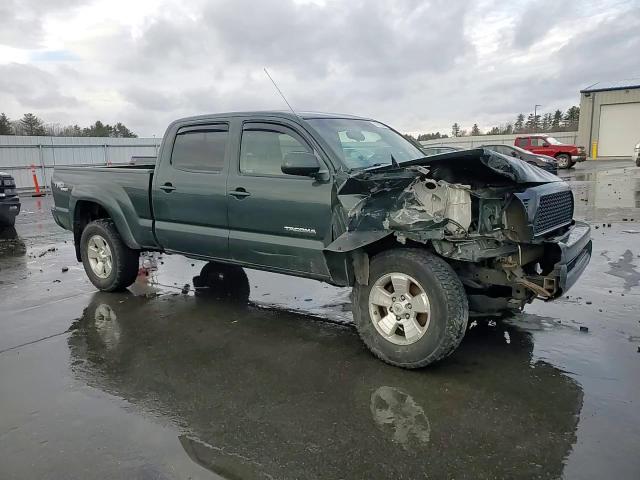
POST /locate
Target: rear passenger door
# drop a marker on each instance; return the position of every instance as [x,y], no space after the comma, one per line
[189,196]
[278,221]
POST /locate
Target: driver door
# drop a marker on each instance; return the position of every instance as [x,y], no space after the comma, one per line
[277,221]
[538,145]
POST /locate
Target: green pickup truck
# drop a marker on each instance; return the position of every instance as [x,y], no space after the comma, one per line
[423,241]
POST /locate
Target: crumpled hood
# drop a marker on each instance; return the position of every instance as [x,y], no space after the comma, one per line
[385,198]
[513,168]
[477,167]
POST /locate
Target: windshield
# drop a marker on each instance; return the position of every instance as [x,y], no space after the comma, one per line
[553,141]
[364,143]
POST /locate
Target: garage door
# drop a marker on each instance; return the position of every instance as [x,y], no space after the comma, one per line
[619,129]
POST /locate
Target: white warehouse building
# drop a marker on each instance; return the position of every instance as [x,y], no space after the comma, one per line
[610,118]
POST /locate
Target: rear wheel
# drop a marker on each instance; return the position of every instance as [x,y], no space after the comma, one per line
[109,263]
[564,161]
[414,311]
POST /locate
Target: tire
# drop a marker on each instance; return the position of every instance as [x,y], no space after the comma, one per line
[448,310]
[8,222]
[564,160]
[124,261]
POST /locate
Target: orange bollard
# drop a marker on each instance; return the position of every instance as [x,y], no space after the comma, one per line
[35,183]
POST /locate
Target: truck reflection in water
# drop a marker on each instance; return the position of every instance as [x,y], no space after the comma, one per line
[268,393]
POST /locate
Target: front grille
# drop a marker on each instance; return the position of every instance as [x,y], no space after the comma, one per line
[555,210]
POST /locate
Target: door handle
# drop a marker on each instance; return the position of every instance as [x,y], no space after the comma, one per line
[167,187]
[239,193]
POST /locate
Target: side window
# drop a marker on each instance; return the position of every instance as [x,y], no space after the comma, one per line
[521,142]
[538,142]
[262,151]
[200,148]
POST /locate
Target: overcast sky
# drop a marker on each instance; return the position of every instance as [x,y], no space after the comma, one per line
[417,65]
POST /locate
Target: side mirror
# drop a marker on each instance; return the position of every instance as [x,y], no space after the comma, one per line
[304,164]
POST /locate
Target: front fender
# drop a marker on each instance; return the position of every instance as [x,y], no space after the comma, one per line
[343,259]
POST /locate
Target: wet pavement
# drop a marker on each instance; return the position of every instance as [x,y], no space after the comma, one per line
[199,372]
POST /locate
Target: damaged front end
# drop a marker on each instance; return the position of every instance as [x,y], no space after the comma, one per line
[506,227]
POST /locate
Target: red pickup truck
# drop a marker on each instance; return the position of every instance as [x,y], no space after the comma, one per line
[540,144]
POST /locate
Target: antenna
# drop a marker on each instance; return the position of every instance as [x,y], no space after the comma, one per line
[280,92]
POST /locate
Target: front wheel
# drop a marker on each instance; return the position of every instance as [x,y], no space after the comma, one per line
[109,263]
[564,161]
[414,310]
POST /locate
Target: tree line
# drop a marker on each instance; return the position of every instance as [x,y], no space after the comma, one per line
[31,125]
[557,121]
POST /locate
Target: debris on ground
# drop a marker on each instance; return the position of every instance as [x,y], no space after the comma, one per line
[589,302]
[65,269]
[48,250]
[630,231]
[186,288]
[584,329]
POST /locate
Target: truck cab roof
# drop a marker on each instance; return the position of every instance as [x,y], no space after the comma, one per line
[283,114]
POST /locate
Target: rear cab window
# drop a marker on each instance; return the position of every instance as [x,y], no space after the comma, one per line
[201,148]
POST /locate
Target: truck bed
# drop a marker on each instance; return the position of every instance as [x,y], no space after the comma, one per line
[123,191]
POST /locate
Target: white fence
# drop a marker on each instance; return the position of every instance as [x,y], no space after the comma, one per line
[18,154]
[469,142]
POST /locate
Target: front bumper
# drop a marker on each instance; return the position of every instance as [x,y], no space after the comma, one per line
[579,158]
[575,254]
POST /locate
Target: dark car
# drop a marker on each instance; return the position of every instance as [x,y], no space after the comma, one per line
[9,200]
[543,161]
[428,151]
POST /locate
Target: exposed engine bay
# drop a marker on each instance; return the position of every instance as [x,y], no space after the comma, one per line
[497,220]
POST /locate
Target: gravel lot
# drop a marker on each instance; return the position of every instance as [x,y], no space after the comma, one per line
[266,378]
